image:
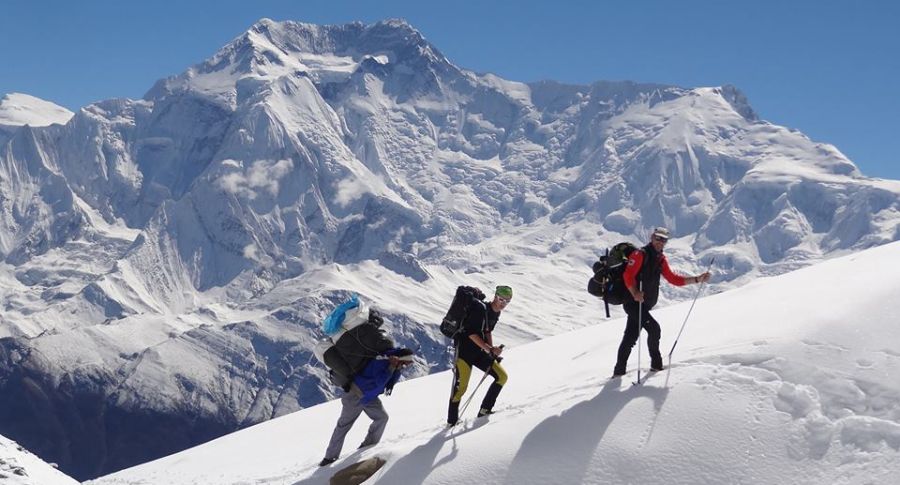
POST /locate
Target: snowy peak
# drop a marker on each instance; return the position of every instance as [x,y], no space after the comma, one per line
[299,37]
[738,101]
[324,53]
[17,109]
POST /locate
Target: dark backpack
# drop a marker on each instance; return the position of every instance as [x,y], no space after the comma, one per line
[608,282]
[349,353]
[452,322]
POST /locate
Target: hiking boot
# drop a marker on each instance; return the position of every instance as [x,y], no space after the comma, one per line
[484,412]
[657,368]
[327,461]
[453,413]
[618,373]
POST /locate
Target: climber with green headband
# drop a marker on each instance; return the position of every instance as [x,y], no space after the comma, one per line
[475,347]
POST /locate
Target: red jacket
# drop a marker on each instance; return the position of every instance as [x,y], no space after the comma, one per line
[636,260]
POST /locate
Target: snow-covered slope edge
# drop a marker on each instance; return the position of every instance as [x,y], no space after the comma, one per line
[786,380]
[19,467]
[17,109]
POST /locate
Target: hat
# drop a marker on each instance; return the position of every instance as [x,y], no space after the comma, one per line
[503,291]
[660,232]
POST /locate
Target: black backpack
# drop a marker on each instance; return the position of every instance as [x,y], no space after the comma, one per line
[354,347]
[452,322]
[607,281]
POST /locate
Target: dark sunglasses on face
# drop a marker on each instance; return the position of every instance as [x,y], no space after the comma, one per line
[503,300]
[660,239]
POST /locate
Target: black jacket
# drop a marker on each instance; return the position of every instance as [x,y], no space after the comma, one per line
[480,320]
[649,275]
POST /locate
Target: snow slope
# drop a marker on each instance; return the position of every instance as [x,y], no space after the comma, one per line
[785,380]
[19,467]
[17,109]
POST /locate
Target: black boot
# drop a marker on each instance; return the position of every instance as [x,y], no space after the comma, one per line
[490,398]
[453,413]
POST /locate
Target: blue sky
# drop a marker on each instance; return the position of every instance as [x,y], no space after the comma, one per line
[828,68]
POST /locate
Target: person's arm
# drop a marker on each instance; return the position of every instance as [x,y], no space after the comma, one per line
[679,280]
[486,347]
[633,266]
[479,342]
[671,276]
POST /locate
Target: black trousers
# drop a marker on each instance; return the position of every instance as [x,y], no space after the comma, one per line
[632,331]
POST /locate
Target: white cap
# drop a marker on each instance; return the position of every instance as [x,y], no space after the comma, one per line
[660,232]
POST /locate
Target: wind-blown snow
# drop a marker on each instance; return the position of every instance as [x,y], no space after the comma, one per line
[789,379]
[19,467]
[17,109]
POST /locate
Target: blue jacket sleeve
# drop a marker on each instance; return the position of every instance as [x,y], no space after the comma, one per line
[376,377]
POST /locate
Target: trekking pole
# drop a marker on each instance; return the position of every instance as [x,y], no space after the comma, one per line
[640,326]
[486,373]
[699,289]
[453,366]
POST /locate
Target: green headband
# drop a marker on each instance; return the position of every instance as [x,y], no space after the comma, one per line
[504,291]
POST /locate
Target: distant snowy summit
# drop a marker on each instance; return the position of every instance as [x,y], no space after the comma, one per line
[17,109]
[323,53]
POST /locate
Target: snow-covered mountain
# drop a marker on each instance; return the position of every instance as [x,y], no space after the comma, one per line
[17,109]
[167,260]
[19,467]
[793,391]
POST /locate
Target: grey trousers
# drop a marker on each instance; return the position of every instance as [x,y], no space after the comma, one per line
[350,410]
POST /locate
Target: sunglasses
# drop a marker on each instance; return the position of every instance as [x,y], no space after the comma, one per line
[503,300]
[660,239]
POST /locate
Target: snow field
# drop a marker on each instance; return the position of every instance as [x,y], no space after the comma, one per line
[783,381]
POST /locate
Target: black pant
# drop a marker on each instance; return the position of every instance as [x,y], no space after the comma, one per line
[631,335]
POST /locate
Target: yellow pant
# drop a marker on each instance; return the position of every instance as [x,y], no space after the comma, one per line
[463,372]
